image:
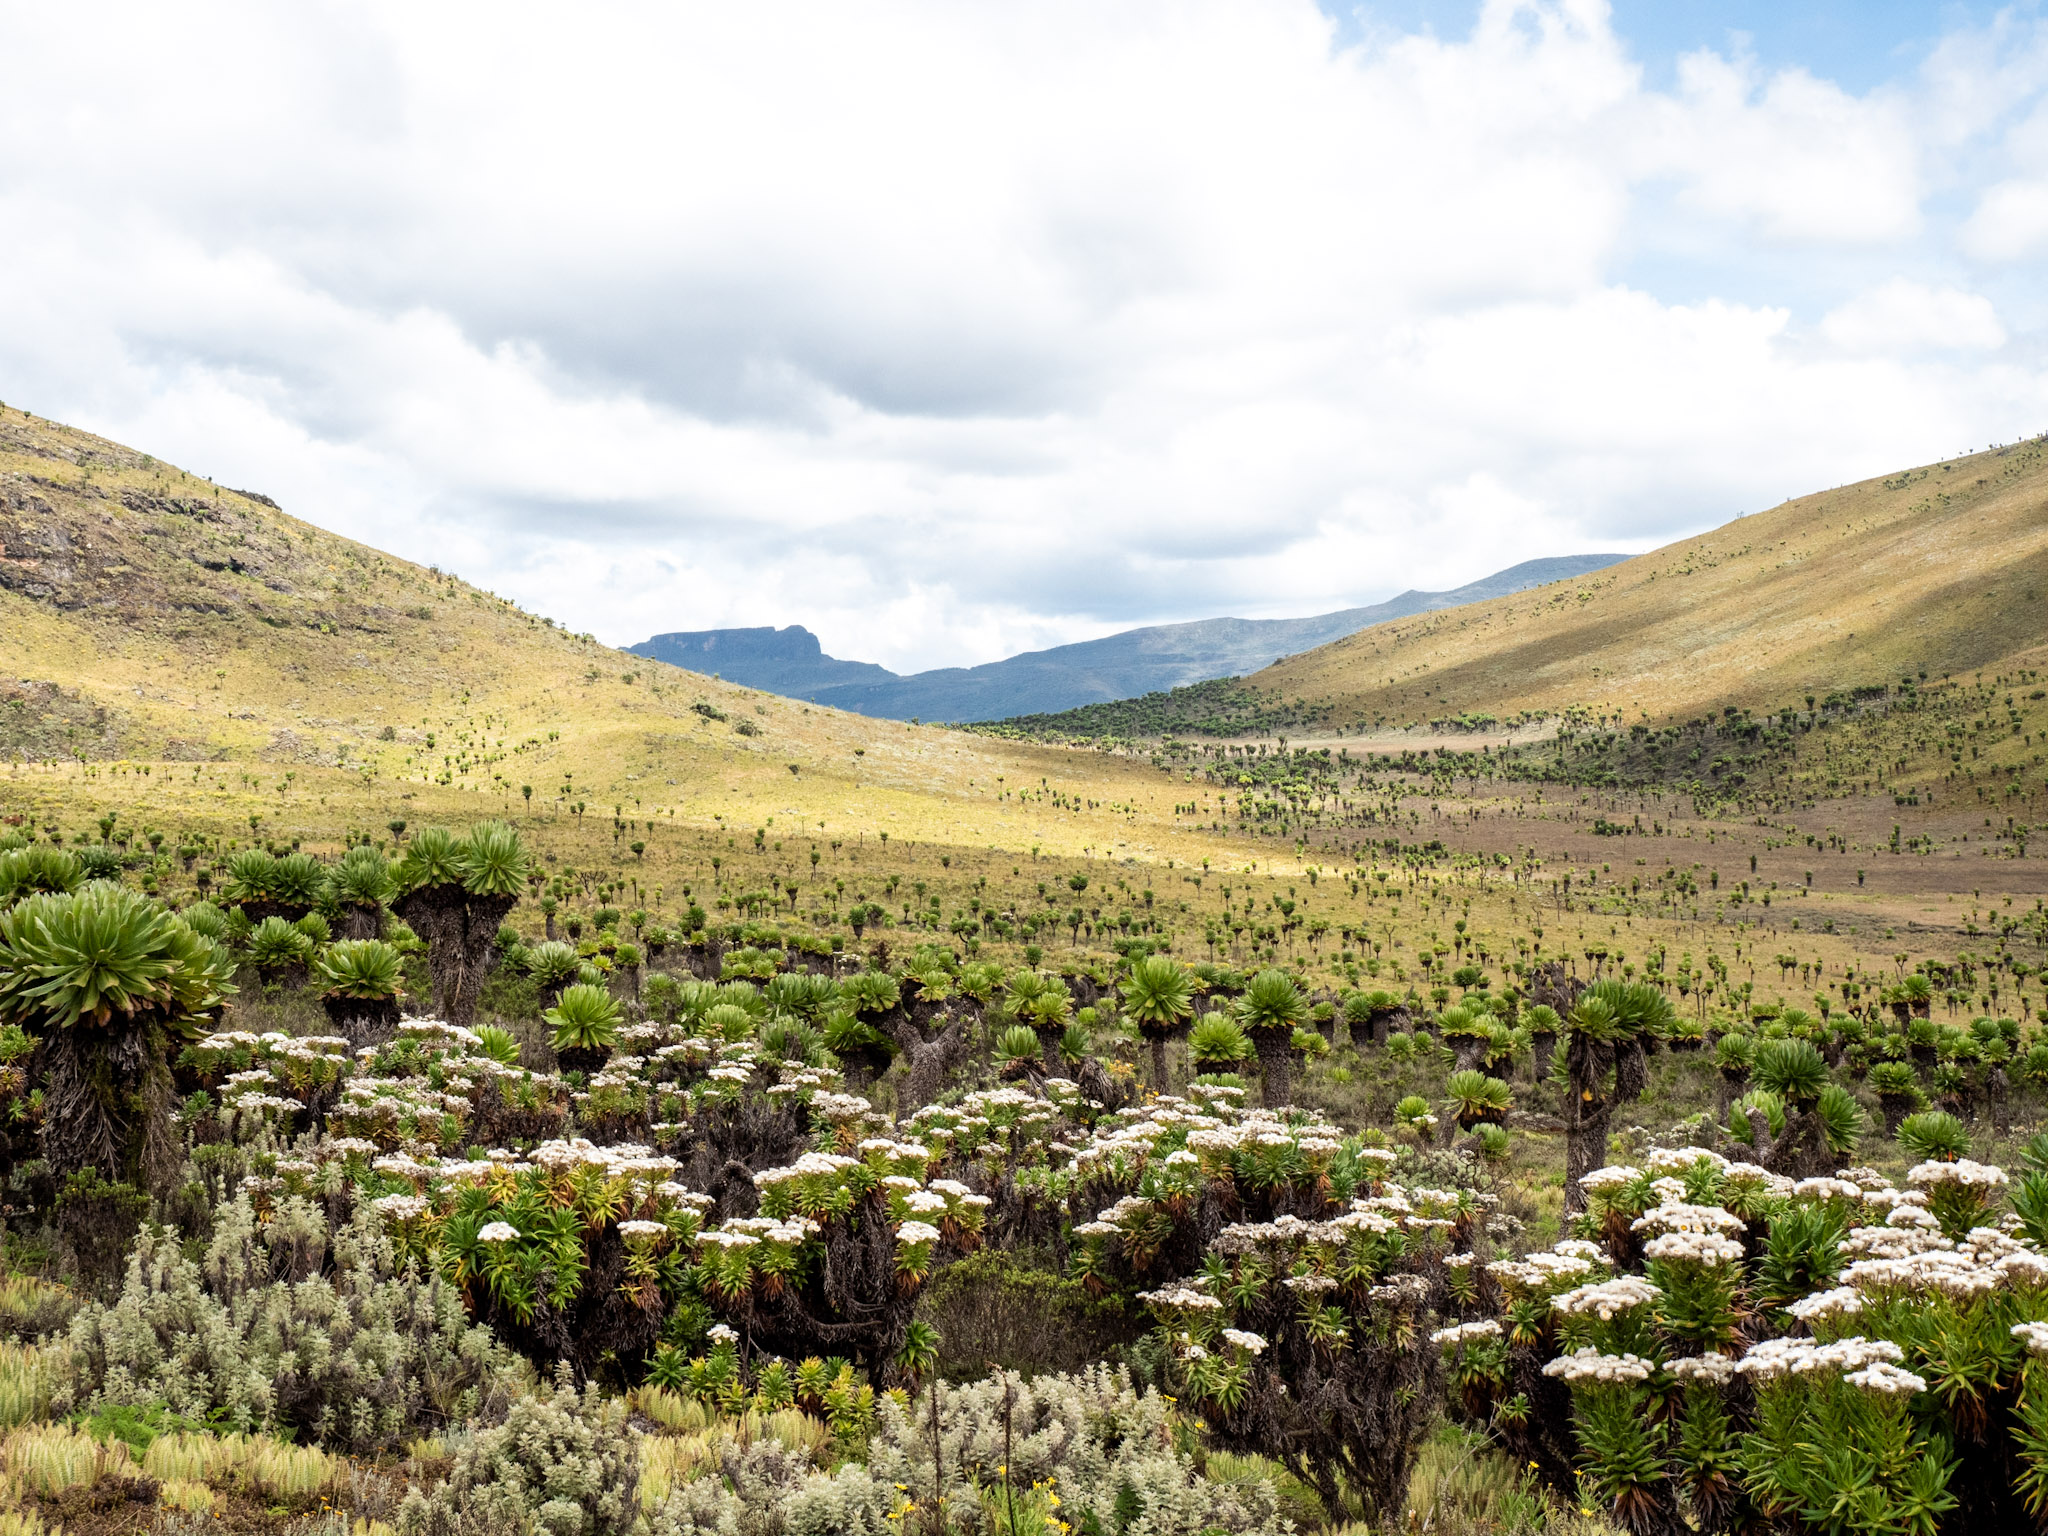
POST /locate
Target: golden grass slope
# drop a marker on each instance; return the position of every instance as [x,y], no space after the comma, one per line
[1941,570]
[153,617]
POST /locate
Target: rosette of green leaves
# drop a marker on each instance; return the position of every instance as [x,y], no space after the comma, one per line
[1934,1136]
[365,969]
[870,993]
[1474,1098]
[102,957]
[276,945]
[584,1018]
[1218,1043]
[37,869]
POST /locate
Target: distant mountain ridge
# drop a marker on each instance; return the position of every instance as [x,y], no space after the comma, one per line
[791,662]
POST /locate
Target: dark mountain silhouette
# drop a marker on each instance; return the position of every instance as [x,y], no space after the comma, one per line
[1121,666]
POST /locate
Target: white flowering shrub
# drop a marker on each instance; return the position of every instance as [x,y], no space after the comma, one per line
[1295,1282]
[1723,1347]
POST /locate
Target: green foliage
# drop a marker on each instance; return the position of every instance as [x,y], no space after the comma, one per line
[1474,1097]
[552,963]
[1217,1042]
[90,959]
[492,860]
[584,1018]
[1792,1069]
[1016,1046]
[1158,994]
[38,868]
[1841,1117]
[498,1043]
[1934,1135]
[432,858]
[275,944]
[1272,1001]
[363,878]
[368,970]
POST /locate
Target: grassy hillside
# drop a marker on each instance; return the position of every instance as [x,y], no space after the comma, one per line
[150,617]
[1934,572]
[191,660]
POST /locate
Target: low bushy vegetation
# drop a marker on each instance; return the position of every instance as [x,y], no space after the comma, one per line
[712,1230]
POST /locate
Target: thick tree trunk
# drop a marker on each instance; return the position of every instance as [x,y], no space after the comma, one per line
[1587,1112]
[362,1021]
[1894,1107]
[362,922]
[1276,1066]
[107,1103]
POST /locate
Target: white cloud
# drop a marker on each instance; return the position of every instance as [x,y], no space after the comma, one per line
[951,330]
[1901,317]
[1796,158]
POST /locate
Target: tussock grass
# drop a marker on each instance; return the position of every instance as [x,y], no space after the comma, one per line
[668,1461]
[48,1459]
[1297,1499]
[180,1493]
[28,1375]
[257,1464]
[675,1413]
[796,1430]
[689,1451]
[30,1308]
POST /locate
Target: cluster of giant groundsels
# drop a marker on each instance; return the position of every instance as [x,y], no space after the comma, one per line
[666,1184]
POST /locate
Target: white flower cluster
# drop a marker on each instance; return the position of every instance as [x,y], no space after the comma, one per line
[2033,1335]
[1607,1298]
[1956,1275]
[1887,1380]
[1682,1160]
[1182,1297]
[1827,1189]
[497,1232]
[1540,1270]
[1963,1171]
[1608,1177]
[1679,1217]
[1708,1249]
[1774,1359]
[1590,1365]
[1825,1306]
[1889,1242]
[1250,1343]
[1714,1370]
[1461,1333]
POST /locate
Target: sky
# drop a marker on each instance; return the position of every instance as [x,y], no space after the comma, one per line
[953,330]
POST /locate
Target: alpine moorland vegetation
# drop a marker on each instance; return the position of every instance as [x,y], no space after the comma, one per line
[458,1078]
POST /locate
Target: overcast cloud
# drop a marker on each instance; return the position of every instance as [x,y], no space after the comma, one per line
[954,329]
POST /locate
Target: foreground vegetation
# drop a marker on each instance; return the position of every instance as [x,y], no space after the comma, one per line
[747,1118]
[720,1226]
